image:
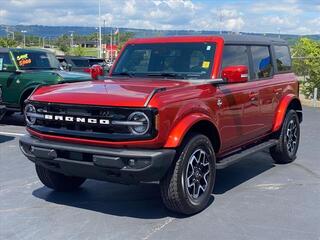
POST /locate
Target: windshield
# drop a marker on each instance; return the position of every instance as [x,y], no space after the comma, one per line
[35,60]
[169,60]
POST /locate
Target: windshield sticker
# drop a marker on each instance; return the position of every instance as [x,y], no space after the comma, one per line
[1,63]
[23,60]
[205,64]
[208,48]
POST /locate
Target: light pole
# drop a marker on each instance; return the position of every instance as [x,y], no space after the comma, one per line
[24,37]
[71,39]
[100,45]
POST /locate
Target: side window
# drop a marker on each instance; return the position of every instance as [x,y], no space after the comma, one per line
[235,55]
[283,58]
[262,67]
[4,60]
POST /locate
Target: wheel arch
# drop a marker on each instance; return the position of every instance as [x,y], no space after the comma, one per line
[194,123]
[288,102]
[26,93]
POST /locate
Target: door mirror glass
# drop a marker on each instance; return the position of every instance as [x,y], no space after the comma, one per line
[235,74]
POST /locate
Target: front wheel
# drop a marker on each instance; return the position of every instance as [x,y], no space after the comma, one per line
[286,149]
[58,181]
[188,185]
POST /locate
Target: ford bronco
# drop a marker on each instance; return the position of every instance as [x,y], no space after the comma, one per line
[173,110]
[22,70]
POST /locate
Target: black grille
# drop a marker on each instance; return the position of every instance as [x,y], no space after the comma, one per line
[89,130]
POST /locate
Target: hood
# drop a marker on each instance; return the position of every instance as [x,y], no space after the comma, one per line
[122,92]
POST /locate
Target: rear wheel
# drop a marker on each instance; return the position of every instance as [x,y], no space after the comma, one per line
[58,181]
[188,185]
[286,149]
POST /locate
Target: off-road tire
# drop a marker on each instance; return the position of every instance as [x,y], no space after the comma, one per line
[58,181]
[281,152]
[173,187]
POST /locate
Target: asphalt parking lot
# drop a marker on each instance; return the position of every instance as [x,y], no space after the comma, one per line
[254,199]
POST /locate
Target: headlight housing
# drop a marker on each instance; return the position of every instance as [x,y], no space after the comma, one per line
[29,114]
[140,123]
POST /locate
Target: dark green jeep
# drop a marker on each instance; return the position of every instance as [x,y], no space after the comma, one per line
[22,70]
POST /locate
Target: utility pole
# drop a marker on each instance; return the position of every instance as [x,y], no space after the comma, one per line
[24,38]
[43,41]
[71,39]
[100,43]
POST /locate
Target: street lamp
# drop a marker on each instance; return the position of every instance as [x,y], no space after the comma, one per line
[24,38]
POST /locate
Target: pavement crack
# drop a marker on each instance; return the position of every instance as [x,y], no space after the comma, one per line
[314,174]
[157,228]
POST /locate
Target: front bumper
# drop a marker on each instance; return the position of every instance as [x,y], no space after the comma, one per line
[109,164]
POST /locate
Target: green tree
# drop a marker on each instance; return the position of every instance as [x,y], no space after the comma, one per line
[5,42]
[307,54]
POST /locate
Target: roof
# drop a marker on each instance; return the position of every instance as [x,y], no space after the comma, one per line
[231,38]
[251,39]
[5,50]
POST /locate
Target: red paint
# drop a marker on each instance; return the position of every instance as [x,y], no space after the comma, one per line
[235,74]
[242,112]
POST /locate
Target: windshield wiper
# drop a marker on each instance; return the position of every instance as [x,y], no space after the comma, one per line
[129,74]
[166,74]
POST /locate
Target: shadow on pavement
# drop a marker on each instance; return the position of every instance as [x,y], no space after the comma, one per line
[5,138]
[144,200]
[15,119]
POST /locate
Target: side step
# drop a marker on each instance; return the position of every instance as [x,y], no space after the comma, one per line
[225,162]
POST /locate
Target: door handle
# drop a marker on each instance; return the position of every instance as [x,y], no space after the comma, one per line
[253,96]
[277,90]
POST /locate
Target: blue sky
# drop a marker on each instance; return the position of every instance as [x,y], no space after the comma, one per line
[286,16]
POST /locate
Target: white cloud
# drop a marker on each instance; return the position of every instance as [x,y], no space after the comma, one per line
[259,16]
[269,7]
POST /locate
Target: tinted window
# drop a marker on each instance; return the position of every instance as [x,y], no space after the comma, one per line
[235,55]
[4,60]
[262,67]
[283,58]
[177,60]
[35,60]
[81,62]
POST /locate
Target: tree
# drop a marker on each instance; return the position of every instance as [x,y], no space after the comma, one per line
[5,42]
[307,53]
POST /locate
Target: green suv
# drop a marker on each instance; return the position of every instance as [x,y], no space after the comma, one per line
[22,70]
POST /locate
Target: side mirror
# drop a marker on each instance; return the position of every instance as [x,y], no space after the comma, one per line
[96,71]
[9,67]
[69,67]
[235,74]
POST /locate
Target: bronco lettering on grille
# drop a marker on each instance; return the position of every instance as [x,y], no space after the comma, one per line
[76,119]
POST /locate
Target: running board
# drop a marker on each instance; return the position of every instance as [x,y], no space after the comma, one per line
[225,162]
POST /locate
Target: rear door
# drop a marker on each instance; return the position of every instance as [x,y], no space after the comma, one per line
[262,75]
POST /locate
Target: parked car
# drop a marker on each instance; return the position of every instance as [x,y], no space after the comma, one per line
[2,107]
[81,64]
[174,110]
[22,70]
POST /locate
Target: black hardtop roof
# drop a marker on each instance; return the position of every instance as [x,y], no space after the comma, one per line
[251,39]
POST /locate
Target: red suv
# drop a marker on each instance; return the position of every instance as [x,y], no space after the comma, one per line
[174,109]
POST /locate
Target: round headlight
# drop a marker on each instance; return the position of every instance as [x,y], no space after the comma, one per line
[142,123]
[29,110]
